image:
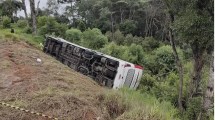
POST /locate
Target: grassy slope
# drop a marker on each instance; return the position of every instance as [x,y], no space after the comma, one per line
[19,35]
[123,104]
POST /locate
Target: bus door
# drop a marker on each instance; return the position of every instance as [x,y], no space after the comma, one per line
[129,75]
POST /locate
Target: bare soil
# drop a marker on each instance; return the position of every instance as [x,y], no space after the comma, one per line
[48,87]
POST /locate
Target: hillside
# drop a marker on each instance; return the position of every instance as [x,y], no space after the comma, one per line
[53,89]
[48,86]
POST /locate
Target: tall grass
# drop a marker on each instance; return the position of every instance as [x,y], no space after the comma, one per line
[138,106]
[20,36]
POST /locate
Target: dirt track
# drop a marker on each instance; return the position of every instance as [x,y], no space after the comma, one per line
[48,87]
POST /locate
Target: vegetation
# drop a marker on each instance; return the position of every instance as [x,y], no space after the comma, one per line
[172,39]
[6,22]
[73,35]
[128,104]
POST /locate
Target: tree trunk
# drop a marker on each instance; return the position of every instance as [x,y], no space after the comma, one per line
[180,69]
[24,8]
[198,54]
[178,62]
[33,16]
[121,15]
[112,25]
[38,4]
[208,101]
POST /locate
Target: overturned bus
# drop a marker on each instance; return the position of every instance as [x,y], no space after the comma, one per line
[104,69]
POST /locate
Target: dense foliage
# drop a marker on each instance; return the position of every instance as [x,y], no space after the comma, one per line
[6,21]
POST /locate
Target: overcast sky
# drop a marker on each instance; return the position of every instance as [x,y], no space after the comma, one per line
[41,5]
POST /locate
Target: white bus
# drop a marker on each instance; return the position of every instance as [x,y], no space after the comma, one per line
[106,70]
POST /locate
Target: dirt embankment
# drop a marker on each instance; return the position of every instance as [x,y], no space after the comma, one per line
[48,87]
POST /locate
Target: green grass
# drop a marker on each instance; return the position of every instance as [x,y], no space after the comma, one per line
[19,35]
[130,104]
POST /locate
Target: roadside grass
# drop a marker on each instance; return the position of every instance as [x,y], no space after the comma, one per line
[19,35]
[126,104]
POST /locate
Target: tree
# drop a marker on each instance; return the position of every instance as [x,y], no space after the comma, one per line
[10,7]
[93,38]
[73,35]
[118,37]
[24,8]
[33,16]
[170,18]
[208,101]
[52,7]
[6,21]
[128,26]
[194,26]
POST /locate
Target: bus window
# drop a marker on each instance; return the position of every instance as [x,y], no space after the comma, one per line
[129,77]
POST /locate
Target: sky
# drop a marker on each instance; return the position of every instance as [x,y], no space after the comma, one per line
[41,5]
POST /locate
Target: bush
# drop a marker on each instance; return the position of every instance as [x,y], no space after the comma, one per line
[43,20]
[6,22]
[73,35]
[118,37]
[114,50]
[128,39]
[134,54]
[149,43]
[108,34]
[27,30]
[165,60]
[93,38]
[129,26]
[81,25]
[60,29]
[193,108]
[52,27]
[22,23]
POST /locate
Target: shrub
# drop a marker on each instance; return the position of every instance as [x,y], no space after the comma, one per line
[49,25]
[93,38]
[60,29]
[128,39]
[108,34]
[53,28]
[129,26]
[22,23]
[27,30]
[134,54]
[114,50]
[149,43]
[43,20]
[6,22]
[193,109]
[165,60]
[73,35]
[81,25]
[118,37]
